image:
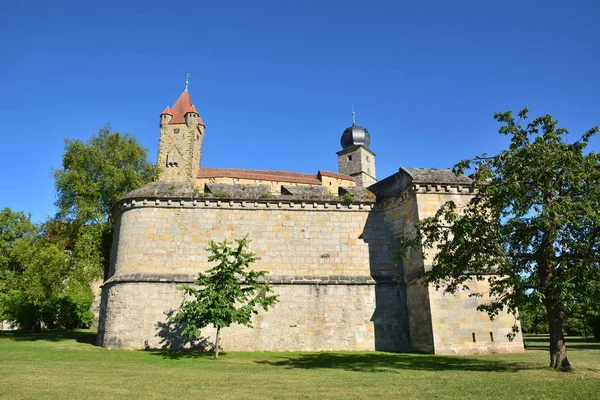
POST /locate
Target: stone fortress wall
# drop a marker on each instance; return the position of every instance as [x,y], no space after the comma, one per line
[330,262]
[327,241]
[440,323]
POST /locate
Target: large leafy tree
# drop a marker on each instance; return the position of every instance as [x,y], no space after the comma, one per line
[94,175]
[226,294]
[46,270]
[532,227]
[41,282]
[14,226]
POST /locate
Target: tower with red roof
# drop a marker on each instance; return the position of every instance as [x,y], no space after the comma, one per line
[180,144]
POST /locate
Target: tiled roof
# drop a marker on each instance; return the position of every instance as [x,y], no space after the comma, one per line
[257,174]
[336,175]
[182,106]
[166,111]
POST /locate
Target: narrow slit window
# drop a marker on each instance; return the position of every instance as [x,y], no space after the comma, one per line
[492,336]
[473,334]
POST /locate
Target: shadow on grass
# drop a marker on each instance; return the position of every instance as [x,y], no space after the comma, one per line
[378,362]
[80,336]
[177,355]
[542,342]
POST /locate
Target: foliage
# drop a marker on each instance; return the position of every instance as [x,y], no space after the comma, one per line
[532,227]
[348,197]
[533,318]
[94,175]
[46,271]
[227,293]
[41,282]
[14,226]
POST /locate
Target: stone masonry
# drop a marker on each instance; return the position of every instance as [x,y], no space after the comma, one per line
[329,250]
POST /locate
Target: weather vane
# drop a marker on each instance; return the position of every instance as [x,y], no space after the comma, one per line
[353,116]
[187,80]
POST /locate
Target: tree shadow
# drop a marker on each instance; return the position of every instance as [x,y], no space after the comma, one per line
[177,355]
[378,362]
[80,336]
[174,343]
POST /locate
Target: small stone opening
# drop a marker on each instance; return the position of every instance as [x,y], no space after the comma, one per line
[349,158]
[492,336]
[473,334]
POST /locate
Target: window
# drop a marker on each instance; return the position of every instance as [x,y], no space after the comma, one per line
[176,130]
[349,158]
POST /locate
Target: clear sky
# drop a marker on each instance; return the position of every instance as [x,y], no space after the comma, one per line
[274,81]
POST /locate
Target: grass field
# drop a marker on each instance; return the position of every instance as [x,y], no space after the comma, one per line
[67,365]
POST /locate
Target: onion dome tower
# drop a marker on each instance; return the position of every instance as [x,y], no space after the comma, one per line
[355,158]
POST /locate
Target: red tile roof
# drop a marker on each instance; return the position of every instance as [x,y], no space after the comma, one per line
[263,175]
[267,175]
[182,106]
[336,175]
[166,111]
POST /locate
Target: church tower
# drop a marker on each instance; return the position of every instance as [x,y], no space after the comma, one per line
[355,158]
[180,144]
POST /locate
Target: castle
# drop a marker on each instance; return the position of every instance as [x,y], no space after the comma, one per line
[327,240]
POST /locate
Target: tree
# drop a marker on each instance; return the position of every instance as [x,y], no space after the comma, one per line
[533,318]
[94,175]
[46,270]
[227,293]
[14,226]
[532,227]
[41,283]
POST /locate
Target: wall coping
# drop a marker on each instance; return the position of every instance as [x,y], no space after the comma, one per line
[272,279]
[262,204]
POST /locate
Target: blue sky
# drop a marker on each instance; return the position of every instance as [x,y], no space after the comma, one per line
[275,81]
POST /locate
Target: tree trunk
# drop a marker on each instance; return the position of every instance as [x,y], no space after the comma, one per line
[558,349]
[216,348]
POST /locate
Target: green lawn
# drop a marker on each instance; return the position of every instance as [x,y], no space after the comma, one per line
[66,365]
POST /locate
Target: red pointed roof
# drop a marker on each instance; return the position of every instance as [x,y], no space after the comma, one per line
[182,106]
[166,111]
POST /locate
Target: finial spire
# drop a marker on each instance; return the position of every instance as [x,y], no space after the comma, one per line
[353,116]
[187,80]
